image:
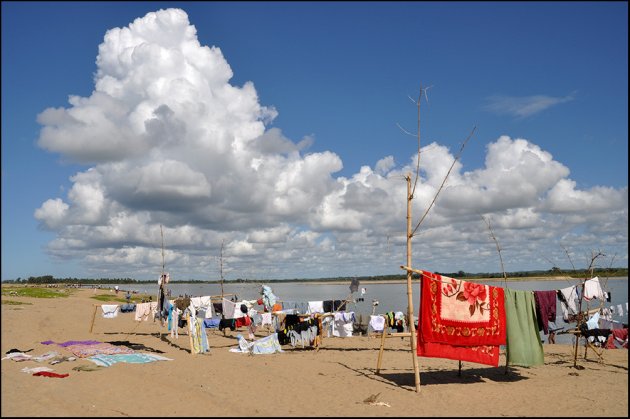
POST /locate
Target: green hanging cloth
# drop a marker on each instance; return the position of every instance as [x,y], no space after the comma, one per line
[523,344]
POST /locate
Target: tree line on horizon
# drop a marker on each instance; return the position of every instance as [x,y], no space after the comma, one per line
[576,273]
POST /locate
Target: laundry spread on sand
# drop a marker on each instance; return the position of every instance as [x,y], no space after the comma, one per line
[35,369]
[101,348]
[88,368]
[50,374]
[10,351]
[135,346]
[135,358]
[19,356]
[72,342]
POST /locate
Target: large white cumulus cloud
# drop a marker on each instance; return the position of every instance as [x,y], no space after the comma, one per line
[170,142]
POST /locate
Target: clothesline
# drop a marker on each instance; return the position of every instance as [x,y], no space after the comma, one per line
[418,271]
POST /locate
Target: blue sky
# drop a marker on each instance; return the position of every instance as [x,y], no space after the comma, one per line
[331,82]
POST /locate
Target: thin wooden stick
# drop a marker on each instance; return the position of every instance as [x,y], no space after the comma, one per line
[93,318]
[380,351]
[461,150]
[407,268]
[190,338]
[412,327]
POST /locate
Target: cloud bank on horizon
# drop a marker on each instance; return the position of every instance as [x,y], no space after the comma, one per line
[168,141]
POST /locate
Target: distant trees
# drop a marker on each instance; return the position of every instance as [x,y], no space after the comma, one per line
[555,271]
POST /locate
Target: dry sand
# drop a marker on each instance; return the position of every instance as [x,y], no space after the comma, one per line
[333,381]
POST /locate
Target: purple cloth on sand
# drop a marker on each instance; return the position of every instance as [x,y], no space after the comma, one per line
[73,342]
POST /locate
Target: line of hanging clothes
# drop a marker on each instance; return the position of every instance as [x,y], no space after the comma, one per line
[469,321]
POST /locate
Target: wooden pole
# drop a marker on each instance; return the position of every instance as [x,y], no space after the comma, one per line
[412,327]
[380,351]
[190,332]
[93,318]
[580,320]
[221,266]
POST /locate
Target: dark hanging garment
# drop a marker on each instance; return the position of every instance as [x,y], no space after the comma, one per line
[227,323]
[328,306]
[545,309]
[354,285]
[291,320]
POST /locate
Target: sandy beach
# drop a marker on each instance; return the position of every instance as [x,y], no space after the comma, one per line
[332,381]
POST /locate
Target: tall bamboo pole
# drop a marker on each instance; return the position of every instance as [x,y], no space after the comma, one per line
[412,326]
[162,234]
[221,268]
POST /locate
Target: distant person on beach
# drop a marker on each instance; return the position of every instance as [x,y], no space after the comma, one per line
[552,333]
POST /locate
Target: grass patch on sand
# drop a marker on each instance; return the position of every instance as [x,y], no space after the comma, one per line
[14,303]
[135,299]
[35,292]
[108,298]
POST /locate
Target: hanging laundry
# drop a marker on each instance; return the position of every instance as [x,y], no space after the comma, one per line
[593,322]
[242,321]
[110,311]
[545,309]
[331,305]
[197,332]
[460,320]
[606,313]
[127,308]
[354,285]
[592,289]
[315,307]
[399,321]
[266,319]
[621,336]
[343,324]
[300,307]
[523,344]
[211,323]
[143,310]
[377,323]
[227,324]
[174,315]
[567,297]
[203,303]
[600,336]
[269,299]
[231,310]
[620,310]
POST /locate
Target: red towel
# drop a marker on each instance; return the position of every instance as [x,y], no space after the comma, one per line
[621,335]
[460,320]
[243,321]
[50,374]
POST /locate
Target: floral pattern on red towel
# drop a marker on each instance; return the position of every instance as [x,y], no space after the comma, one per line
[460,320]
